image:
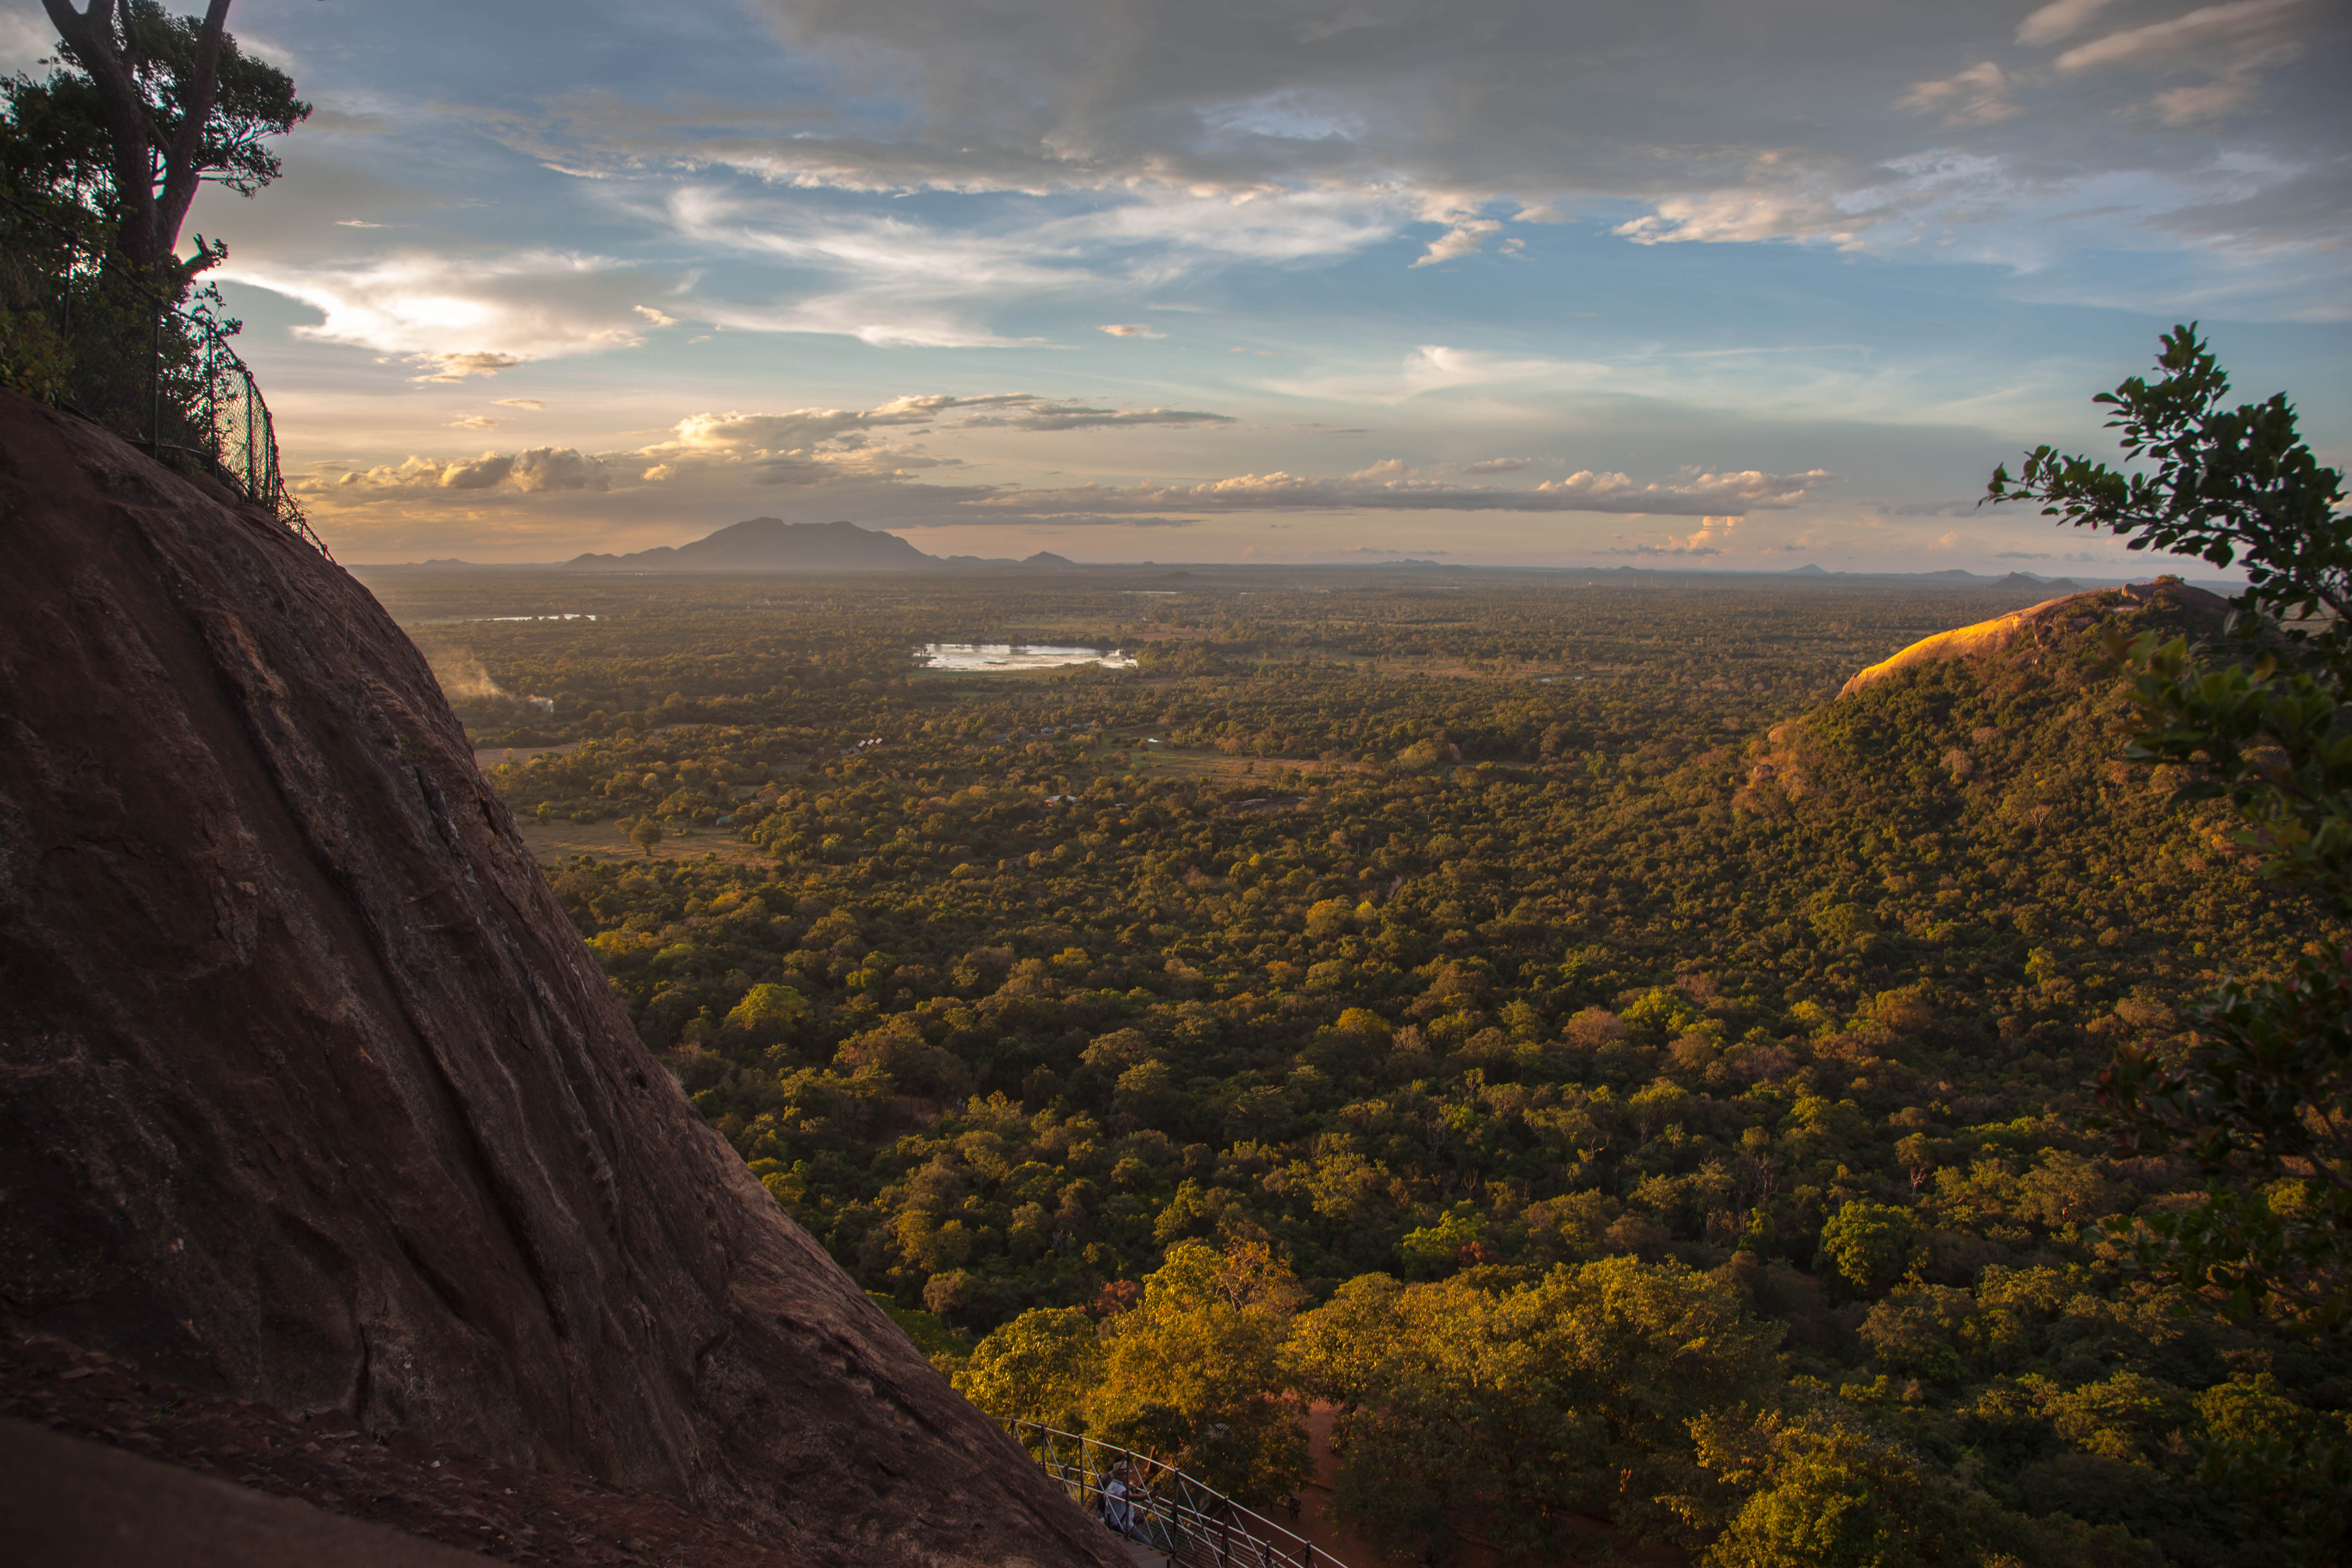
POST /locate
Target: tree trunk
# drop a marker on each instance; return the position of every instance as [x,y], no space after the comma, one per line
[151,218]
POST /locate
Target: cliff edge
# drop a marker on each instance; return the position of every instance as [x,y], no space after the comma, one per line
[311,1095]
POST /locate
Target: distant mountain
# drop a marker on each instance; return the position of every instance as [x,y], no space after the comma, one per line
[2051,585]
[1807,570]
[1046,560]
[772,544]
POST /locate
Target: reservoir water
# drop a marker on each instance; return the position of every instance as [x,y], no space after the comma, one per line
[996,658]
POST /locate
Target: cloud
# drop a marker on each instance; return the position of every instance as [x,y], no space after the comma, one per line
[814,432]
[1453,111]
[520,403]
[1712,535]
[2021,556]
[1498,465]
[1463,239]
[1976,96]
[1437,367]
[458,367]
[2234,42]
[2059,19]
[2187,34]
[1387,486]
[1057,520]
[1932,509]
[530,472]
[1076,416]
[356,223]
[474,422]
[657,317]
[465,314]
[1129,329]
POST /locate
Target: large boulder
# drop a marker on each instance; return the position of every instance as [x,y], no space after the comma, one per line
[310,1094]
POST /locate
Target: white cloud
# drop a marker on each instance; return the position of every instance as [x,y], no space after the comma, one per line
[474,422]
[1129,329]
[2059,19]
[1463,239]
[658,318]
[520,403]
[470,315]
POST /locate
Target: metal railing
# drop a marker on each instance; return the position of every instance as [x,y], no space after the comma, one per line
[1187,1521]
[155,370]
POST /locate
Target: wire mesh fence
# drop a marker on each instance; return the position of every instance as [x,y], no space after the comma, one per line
[80,331]
[1163,1510]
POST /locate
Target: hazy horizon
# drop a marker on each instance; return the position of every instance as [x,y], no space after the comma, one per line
[1483,284]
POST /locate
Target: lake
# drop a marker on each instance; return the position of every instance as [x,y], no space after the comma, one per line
[996,658]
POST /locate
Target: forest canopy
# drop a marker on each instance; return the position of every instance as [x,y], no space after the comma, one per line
[1530,1017]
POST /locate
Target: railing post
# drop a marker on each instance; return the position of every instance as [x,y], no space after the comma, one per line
[156,383]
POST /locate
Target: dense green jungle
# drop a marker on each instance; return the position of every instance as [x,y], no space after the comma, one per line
[1533,1015]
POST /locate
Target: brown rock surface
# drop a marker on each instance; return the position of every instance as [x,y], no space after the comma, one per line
[393,1482]
[311,1095]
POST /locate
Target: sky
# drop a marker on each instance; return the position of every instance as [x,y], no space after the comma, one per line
[1692,283]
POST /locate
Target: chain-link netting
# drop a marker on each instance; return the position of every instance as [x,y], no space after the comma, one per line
[78,330]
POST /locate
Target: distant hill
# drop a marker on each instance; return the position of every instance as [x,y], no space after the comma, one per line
[772,544]
[2039,627]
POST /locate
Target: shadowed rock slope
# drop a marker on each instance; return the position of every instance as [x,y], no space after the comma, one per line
[309,1094]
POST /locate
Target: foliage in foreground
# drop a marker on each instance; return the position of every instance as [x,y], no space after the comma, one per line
[2261,1096]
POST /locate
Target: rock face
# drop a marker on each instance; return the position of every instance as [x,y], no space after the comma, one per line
[309,1093]
[2042,622]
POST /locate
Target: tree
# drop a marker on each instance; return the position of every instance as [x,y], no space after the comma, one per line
[645,834]
[768,1014]
[1517,1409]
[155,106]
[1042,1366]
[2262,1096]
[1872,1245]
[1193,1375]
[1823,1494]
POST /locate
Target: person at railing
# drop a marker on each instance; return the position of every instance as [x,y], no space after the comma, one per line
[1118,1512]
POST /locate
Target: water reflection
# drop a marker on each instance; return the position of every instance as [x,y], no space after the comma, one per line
[998,658]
